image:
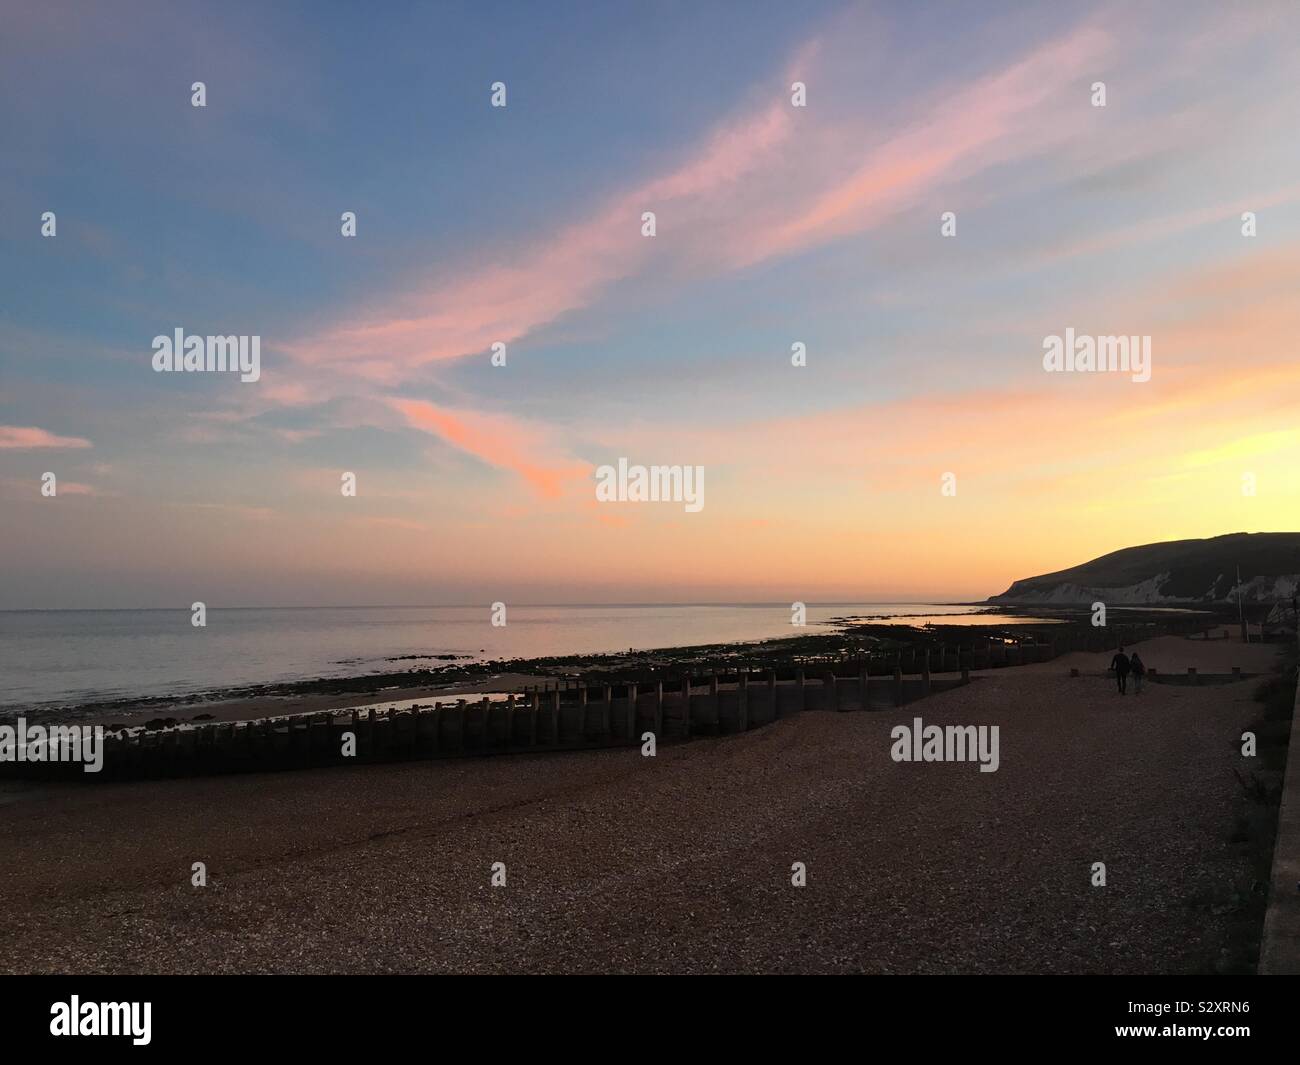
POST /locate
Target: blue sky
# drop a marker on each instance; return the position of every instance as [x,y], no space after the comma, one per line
[776,224]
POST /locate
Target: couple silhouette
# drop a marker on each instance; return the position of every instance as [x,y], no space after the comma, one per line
[1123,665]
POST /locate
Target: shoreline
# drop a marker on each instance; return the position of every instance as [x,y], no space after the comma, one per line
[850,635]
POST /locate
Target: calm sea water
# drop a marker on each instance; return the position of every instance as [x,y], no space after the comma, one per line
[74,656]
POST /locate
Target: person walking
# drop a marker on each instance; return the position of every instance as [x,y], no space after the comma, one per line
[1120,665]
[1138,668]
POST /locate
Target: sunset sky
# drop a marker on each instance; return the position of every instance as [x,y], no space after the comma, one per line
[775,225]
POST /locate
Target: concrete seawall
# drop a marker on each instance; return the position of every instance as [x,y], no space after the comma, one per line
[1279,952]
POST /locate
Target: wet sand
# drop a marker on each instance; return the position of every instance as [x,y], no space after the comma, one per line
[252,708]
[681,862]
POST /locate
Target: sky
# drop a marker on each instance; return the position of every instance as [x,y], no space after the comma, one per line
[923,452]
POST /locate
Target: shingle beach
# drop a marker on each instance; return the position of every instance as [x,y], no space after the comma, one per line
[680,863]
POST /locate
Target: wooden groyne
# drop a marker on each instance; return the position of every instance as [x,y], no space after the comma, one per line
[554,718]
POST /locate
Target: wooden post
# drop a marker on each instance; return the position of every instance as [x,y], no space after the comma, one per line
[686,706]
[413,748]
[555,715]
[659,711]
[830,691]
[898,680]
[418,716]
[441,713]
[925,672]
[801,690]
[510,720]
[862,685]
[742,695]
[631,713]
[582,712]
[534,712]
[606,706]
[462,718]
[771,687]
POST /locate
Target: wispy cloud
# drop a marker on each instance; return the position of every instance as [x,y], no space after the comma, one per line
[503,443]
[761,185]
[29,437]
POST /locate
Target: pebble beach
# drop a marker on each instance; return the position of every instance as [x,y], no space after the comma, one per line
[614,862]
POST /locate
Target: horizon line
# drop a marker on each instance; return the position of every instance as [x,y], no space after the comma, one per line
[458,606]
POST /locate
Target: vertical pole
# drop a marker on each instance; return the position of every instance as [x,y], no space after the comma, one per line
[631,713]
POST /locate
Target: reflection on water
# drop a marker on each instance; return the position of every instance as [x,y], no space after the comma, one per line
[970,618]
[76,656]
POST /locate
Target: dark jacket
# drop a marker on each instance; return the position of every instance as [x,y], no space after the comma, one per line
[1119,663]
[1137,666]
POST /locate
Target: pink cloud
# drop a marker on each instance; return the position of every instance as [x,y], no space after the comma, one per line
[1002,116]
[500,442]
[763,184]
[29,437]
[560,273]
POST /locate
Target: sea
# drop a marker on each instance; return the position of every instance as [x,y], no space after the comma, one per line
[65,657]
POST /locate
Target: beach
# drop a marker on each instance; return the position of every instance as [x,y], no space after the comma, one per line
[615,862]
